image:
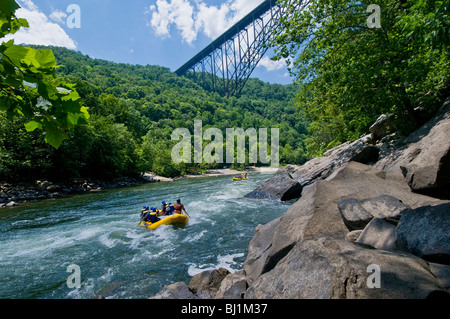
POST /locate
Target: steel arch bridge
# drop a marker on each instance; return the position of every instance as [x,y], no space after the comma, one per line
[226,64]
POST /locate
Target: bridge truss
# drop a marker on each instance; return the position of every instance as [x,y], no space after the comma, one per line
[226,64]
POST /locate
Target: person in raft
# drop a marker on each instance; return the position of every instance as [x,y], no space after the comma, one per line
[154,215]
[179,207]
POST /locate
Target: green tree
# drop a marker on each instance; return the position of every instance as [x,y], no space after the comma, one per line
[29,87]
[350,73]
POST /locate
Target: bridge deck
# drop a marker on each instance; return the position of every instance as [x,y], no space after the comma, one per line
[228,35]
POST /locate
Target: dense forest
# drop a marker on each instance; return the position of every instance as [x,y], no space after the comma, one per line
[133,110]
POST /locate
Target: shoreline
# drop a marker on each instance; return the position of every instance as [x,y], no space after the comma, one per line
[213,173]
[11,195]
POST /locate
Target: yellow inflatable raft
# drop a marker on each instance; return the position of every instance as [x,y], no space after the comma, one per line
[240,178]
[166,220]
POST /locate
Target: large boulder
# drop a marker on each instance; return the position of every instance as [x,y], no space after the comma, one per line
[425,232]
[358,213]
[336,269]
[423,157]
[280,187]
[354,215]
[382,127]
[316,214]
[259,249]
[233,286]
[321,168]
[379,234]
[208,280]
[178,290]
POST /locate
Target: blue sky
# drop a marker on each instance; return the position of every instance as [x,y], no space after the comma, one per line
[155,32]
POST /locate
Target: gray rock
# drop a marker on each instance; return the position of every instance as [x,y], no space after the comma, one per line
[382,127]
[442,273]
[208,280]
[205,294]
[334,160]
[11,204]
[258,249]
[233,286]
[316,213]
[177,290]
[423,157]
[353,214]
[425,232]
[379,234]
[384,206]
[353,235]
[281,186]
[337,269]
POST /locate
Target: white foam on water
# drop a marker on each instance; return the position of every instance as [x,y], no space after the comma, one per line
[106,241]
[195,237]
[225,261]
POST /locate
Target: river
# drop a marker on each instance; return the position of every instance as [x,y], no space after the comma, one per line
[117,258]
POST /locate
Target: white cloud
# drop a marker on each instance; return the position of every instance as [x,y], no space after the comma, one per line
[58,16]
[271,65]
[42,30]
[191,17]
[178,12]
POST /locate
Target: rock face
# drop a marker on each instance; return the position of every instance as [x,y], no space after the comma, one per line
[281,186]
[425,232]
[322,167]
[316,214]
[423,157]
[336,269]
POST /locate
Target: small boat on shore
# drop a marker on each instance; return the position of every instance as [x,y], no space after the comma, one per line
[166,220]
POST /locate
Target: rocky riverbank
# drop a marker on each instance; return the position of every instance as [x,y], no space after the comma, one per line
[372,221]
[12,195]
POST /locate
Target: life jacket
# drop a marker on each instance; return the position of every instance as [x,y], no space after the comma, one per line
[145,215]
[153,217]
[170,209]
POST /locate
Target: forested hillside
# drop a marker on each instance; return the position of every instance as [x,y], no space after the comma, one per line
[133,111]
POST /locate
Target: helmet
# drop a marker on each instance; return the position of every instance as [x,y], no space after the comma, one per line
[153,208]
[163,202]
[178,200]
[146,207]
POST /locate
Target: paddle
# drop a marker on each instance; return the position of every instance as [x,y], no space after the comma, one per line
[187,214]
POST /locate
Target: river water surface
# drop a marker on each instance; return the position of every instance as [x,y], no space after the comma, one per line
[117,258]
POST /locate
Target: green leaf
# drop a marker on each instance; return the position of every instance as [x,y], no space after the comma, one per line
[46,58]
[8,7]
[33,125]
[55,135]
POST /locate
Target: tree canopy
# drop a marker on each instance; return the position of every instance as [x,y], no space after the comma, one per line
[350,73]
